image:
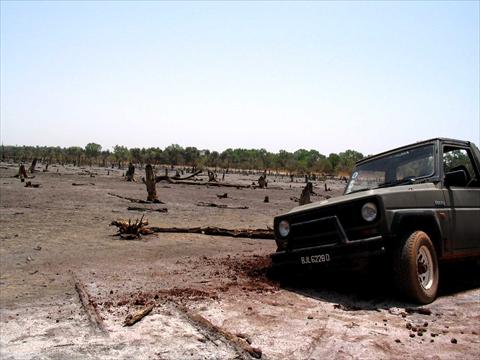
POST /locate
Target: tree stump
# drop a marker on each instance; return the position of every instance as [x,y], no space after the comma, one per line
[305,196]
[262,182]
[212,177]
[129,175]
[151,183]
[22,173]
[32,167]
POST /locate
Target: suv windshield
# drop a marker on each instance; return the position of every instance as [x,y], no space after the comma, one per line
[398,168]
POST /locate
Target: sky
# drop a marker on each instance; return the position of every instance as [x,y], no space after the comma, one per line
[322,75]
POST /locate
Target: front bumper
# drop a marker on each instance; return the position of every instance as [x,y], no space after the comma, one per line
[342,254]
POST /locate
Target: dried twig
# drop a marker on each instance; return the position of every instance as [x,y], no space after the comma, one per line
[221,206]
[138,315]
[136,200]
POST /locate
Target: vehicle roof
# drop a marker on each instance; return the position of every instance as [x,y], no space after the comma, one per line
[419,143]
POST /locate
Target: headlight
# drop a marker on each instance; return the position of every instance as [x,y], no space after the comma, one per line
[369,211]
[284,228]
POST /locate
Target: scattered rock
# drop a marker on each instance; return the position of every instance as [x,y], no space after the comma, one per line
[422,311]
[453,341]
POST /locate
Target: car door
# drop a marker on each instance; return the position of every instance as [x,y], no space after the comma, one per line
[462,200]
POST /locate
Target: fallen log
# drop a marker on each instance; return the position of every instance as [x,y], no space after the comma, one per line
[216,184]
[175,179]
[216,231]
[137,316]
[221,206]
[91,308]
[213,332]
[136,208]
[136,200]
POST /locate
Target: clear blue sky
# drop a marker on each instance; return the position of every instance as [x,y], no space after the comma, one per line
[276,75]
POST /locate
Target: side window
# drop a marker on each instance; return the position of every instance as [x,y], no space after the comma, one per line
[460,159]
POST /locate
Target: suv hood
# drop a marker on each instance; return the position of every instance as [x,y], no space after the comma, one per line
[395,191]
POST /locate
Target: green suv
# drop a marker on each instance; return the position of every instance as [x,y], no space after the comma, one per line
[416,206]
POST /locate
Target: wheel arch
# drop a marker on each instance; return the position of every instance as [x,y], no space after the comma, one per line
[405,223]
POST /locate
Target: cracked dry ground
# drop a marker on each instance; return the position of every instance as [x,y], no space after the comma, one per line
[211,296]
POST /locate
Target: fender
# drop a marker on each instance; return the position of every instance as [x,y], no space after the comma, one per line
[430,220]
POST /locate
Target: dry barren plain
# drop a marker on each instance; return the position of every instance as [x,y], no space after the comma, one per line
[211,295]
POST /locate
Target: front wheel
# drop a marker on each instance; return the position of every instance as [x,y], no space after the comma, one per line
[416,268]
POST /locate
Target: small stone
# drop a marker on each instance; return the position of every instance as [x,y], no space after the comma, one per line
[425,324]
[412,335]
[453,341]
[309,317]
[408,326]
[397,341]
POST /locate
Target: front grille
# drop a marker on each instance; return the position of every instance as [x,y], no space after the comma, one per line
[328,225]
[323,231]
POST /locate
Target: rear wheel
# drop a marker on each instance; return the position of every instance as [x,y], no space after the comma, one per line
[416,268]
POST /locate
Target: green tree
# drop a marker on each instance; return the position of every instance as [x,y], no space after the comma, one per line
[92,151]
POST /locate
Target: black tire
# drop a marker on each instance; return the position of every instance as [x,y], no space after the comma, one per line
[416,268]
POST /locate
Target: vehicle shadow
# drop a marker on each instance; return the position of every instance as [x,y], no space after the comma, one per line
[371,289]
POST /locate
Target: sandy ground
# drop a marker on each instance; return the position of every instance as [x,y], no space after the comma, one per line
[57,235]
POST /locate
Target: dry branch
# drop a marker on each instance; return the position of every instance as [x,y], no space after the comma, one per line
[213,332]
[216,184]
[216,231]
[131,230]
[136,208]
[136,200]
[91,309]
[137,316]
[221,206]
[175,179]
[82,184]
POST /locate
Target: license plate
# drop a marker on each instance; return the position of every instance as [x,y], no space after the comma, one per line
[315,259]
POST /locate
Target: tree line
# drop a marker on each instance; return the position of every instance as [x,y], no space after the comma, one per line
[299,162]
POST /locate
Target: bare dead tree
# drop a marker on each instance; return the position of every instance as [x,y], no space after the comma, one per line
[22,173]
[212,177]
[306,192]
[32,167]
[129,175]
[151,183]
[262,182]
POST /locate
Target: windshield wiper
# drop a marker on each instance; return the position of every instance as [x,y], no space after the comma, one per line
[358,190]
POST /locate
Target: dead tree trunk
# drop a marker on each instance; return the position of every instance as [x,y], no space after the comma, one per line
[32,167]
[212,177]
[262,182]
[129,176]
[151,183]
[22,173]
[305,196]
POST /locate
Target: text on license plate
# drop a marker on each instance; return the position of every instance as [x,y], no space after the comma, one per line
[315,259]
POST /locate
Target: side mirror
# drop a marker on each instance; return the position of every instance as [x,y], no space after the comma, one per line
[456,178]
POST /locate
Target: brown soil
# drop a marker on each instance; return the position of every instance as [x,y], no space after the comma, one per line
[57,234]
